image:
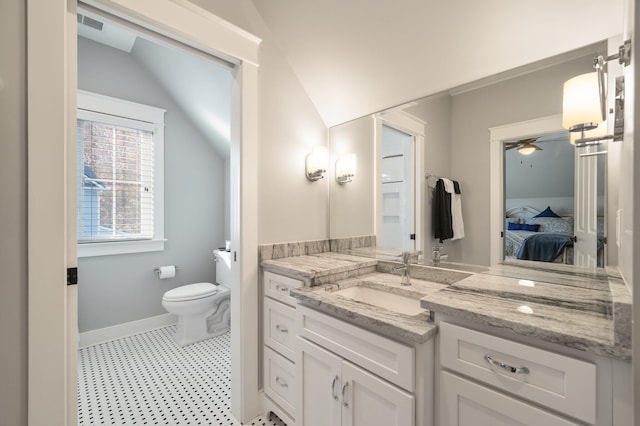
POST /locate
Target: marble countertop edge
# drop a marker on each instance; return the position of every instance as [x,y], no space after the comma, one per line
[605,348]
[406,329]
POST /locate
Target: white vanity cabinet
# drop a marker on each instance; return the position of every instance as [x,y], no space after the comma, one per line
[488,380]
[279,335]
[348,376]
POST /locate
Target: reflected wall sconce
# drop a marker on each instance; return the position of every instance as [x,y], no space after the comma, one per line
[584,104]
[315,163]
[346,168]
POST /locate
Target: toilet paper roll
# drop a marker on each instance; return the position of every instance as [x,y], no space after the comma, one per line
[167,272]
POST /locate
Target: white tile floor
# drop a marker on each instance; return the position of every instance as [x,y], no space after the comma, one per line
[147,379]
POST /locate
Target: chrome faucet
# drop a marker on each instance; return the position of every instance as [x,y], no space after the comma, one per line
[437,256]
[406,258]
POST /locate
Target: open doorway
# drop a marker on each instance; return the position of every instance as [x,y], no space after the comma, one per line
[52,305]
[547,198]
[142,204]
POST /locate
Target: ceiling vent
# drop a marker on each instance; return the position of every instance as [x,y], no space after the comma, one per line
[90,22]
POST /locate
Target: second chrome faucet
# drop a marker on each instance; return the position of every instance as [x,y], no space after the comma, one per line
[406,260]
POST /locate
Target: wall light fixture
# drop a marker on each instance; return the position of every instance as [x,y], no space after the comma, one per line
[346,168]
[316,163]
[584,104]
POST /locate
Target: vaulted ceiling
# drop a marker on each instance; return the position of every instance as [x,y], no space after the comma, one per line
[354,57]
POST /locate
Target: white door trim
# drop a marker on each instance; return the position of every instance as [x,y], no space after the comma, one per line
[51,380]
[499,134]
[52,84]
[402,121]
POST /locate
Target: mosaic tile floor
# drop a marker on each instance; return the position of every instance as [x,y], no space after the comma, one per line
[147,379]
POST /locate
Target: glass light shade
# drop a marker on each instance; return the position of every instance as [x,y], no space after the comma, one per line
[581,102]
[346,168]
[316,163]
[526,150]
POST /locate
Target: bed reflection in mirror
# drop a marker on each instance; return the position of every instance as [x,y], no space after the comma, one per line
[541,208]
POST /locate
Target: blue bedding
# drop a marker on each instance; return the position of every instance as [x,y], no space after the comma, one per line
[543,246]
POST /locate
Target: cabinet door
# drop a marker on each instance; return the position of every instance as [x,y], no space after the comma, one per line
[465,403]
[368,400]
[319,386]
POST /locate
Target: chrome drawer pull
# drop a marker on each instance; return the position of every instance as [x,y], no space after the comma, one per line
[281,329]
[281,382]
[282,289]
[344,399]
[333,388]
[510,369]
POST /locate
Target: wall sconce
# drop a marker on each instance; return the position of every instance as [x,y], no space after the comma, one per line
[345,168]
[584,104]
[316,163]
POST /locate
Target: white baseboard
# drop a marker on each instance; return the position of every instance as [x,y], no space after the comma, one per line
[101,335]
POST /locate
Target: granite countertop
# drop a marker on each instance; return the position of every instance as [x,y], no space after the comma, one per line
[309,268]
[409,329]
[588,310]
[573,307]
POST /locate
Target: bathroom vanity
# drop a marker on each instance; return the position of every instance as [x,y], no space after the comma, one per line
[480,346]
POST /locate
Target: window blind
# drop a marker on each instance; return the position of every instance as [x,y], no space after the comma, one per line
[115,166]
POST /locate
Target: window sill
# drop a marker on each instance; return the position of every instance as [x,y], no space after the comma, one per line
[119,247]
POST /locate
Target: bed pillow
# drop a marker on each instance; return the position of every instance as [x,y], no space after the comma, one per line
[547,213]
[522,227]
[552,224]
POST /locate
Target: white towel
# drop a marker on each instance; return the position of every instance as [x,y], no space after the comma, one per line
[456,216]
[448,185]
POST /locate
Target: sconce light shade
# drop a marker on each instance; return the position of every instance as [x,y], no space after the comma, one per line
[581,103]
[346,168]
[316,163]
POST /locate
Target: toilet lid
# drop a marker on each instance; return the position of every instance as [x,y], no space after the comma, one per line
[191,292]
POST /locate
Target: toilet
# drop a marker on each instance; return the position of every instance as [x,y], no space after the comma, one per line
[203,309]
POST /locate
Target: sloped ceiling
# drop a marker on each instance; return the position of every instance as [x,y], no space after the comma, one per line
[356,57]
[200,85]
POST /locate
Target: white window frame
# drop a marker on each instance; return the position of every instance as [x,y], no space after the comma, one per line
[153,119]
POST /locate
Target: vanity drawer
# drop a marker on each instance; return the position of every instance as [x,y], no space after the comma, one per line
[279,327]
[278,286]
[561,383]
[279,380]
[387,358]
[470,404]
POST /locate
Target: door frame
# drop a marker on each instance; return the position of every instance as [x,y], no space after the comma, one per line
[415,127]
[51,116]
[498,135]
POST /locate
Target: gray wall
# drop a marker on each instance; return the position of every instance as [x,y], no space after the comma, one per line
[13,213]
[543,178]
[435,111]
[121,288]
[524,98]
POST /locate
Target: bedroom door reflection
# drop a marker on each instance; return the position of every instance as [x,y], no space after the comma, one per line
[397,163]
[554,203]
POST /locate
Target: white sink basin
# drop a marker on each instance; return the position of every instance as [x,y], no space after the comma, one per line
[383,299]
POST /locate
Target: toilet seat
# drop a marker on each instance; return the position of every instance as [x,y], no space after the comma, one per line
[190,292]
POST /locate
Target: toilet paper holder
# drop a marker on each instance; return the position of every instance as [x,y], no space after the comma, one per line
[157,269]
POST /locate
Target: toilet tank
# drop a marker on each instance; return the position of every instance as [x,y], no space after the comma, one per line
[223,267]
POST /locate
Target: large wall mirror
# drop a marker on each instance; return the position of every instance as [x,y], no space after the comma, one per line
[449,136]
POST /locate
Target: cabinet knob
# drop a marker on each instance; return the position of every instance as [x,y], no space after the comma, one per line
[281,382]
[282,329]
[333,388]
